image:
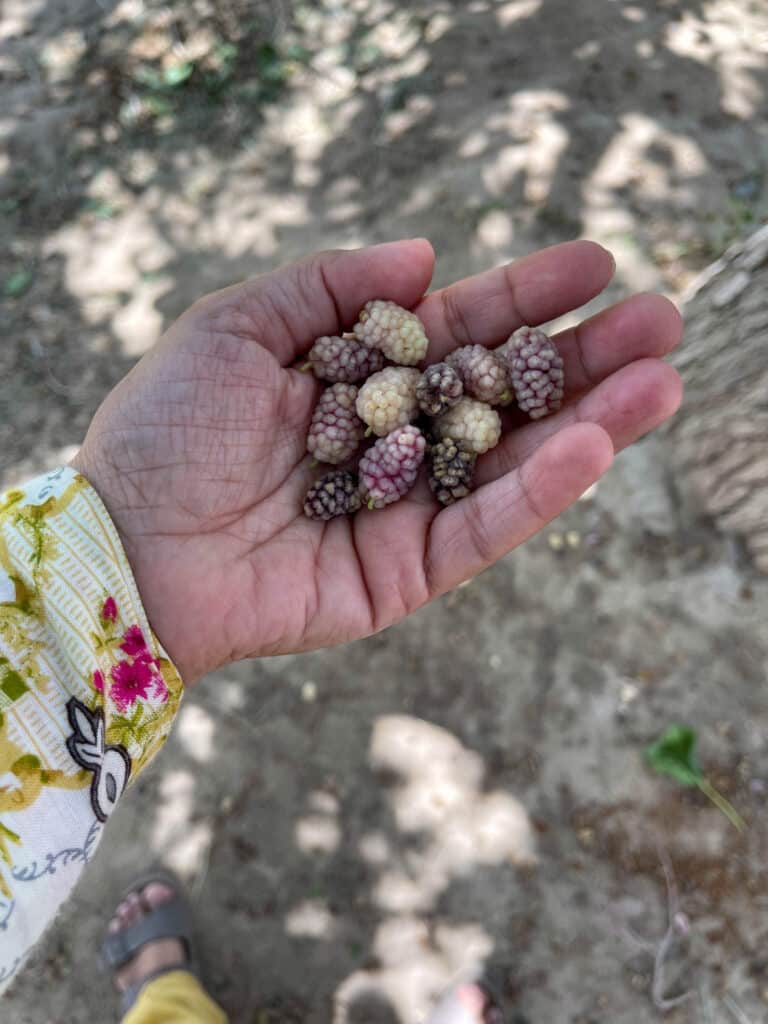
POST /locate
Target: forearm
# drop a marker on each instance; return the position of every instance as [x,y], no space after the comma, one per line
[87,695]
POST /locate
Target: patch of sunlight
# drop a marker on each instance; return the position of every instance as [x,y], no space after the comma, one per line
[318,831]
[413,973]
[138,323]
[195,729]
[629,159]
[474,144]
[103,256]
[229,695]
[127,10]
[440,794]
[19,18]
[396,893]
[549,142]
[507,13]
[396,36]
[416,110]
[421,198]
[634,14]
[495,229]
[532,121]
[374,848]
[310,920]
[510,161]
[182,842]
[437,26]
[588,50]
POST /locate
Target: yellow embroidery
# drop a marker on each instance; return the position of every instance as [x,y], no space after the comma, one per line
[71,625]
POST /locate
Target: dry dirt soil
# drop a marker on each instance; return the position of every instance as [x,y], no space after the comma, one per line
[359,825]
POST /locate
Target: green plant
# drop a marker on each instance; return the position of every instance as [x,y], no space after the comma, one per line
[17,283]
[674,754]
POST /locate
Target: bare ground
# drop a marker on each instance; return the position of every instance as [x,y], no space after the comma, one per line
[360,824]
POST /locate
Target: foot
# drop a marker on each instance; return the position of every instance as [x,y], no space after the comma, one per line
[153,956]
[469,1001]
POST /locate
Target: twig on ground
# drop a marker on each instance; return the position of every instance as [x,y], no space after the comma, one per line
[677,926]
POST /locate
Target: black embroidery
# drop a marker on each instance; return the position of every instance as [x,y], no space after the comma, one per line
[110,763]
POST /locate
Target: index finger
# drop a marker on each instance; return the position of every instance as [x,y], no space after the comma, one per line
[487,308]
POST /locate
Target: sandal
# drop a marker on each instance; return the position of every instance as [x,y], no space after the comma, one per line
[171,920]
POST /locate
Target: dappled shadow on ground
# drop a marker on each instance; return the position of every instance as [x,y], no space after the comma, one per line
[156,151]
[159,151]
[359,826]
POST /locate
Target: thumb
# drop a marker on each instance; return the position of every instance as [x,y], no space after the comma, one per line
[286,309]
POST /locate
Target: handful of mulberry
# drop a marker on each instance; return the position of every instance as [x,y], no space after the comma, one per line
[444,414]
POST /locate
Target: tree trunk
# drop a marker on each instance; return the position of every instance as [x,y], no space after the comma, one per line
[720,437]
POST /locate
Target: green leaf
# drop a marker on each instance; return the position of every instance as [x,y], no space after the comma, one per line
[17,283]
[177,74]
[674,754]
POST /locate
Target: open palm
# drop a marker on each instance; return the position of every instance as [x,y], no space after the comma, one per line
[200,452]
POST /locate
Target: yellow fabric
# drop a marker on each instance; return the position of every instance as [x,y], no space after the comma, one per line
[87,695]
[175,998]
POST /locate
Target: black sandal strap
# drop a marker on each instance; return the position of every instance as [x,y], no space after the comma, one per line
[170,920]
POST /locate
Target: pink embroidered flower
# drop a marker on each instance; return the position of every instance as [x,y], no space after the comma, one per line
[134,643]
[109,611]
[131,680]
[161,690]
[98,680]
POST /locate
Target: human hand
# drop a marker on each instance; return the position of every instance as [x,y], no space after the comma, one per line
[200,452]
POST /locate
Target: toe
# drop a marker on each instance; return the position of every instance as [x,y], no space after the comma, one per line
[133,909]
[156,894]
[473,998]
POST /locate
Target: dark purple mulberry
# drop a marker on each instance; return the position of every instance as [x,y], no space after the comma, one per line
[438,389]
[335,494]
[452,466]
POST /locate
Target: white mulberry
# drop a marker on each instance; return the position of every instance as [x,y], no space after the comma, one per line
[475,423]
[388,399]
[397,332]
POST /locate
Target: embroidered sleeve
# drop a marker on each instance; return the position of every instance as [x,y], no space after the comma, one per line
[87,696]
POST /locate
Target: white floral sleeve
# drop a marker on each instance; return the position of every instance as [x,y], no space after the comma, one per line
[87,696]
